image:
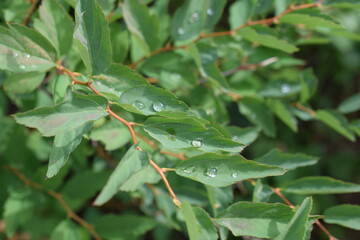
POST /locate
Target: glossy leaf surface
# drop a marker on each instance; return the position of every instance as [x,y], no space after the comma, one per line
[223,170]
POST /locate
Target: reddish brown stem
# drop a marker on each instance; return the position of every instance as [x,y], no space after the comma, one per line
[305,109]
[30,12]
[126,123]
[59,198]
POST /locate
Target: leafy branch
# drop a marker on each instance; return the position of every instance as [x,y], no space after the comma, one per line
[58,197]
[128,124]
[267,21]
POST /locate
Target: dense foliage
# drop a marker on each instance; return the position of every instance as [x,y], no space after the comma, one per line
[136,119]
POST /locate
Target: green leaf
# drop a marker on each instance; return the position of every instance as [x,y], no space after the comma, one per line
[320,185]
[309,84]
[126,226]
[240,12]
[132,162]
[56,25]
[24,50]
[345,215]
[92,36]
[138,179]
[262,192]
[257,112]
[351,104]
[214,12]
[336,121]
[355,126]
[189,133]
[279,89]
[198,223]
[296,228]
[23,82]
[64,144]
[263,220]
[64,117]
[219,198]
[150,100]
[286,160]
[18,209]
[78,188]
[311,22]
[244,135]
[112,134]
[65,230]
[116,80]
[283,113]
[223,170]
[207,63]
[141,23]
[266,40]
[189,20]
[120,41]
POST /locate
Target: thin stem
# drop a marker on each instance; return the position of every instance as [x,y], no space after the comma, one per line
[128,124]
[267,21]
[305,109]
[59,198]
[30,12]
[321,226]
[167,184]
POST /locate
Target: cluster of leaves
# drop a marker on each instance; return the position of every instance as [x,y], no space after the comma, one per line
[69,80]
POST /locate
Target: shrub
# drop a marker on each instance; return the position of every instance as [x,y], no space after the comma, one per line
[142,109]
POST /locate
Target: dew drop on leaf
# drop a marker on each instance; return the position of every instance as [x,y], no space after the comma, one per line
[194,17]
[175,76]
[22,66]
[171,137]
[27,55]
[181,31]
[210,172]
[234,175]
[15,54]
[139,105]
[158,106]
[285,88]
[210,12]
[196,143]
[189,170]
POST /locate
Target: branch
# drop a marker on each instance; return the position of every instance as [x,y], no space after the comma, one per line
[128,124]
[305,109]
[278,192]
[58,197]
[267,21]
[30,12]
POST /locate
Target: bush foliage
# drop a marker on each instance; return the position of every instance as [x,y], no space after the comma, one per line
[136,119]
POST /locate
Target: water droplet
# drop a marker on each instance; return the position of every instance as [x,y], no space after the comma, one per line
[210,12]
[234,175]
[175,76]
[27,55]
[22,66]
[194,17]
[181,31]
[196,143]
[158,106]
[112,89]
[139,105]
[171,137]
[210,172]
[285,88]
[15,54]
[97,83]
[234,138]
[189,170]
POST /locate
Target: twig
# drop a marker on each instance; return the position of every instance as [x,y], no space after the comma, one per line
[59,198]
[305,109]
[128,124]
[30,12]
[266,21]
